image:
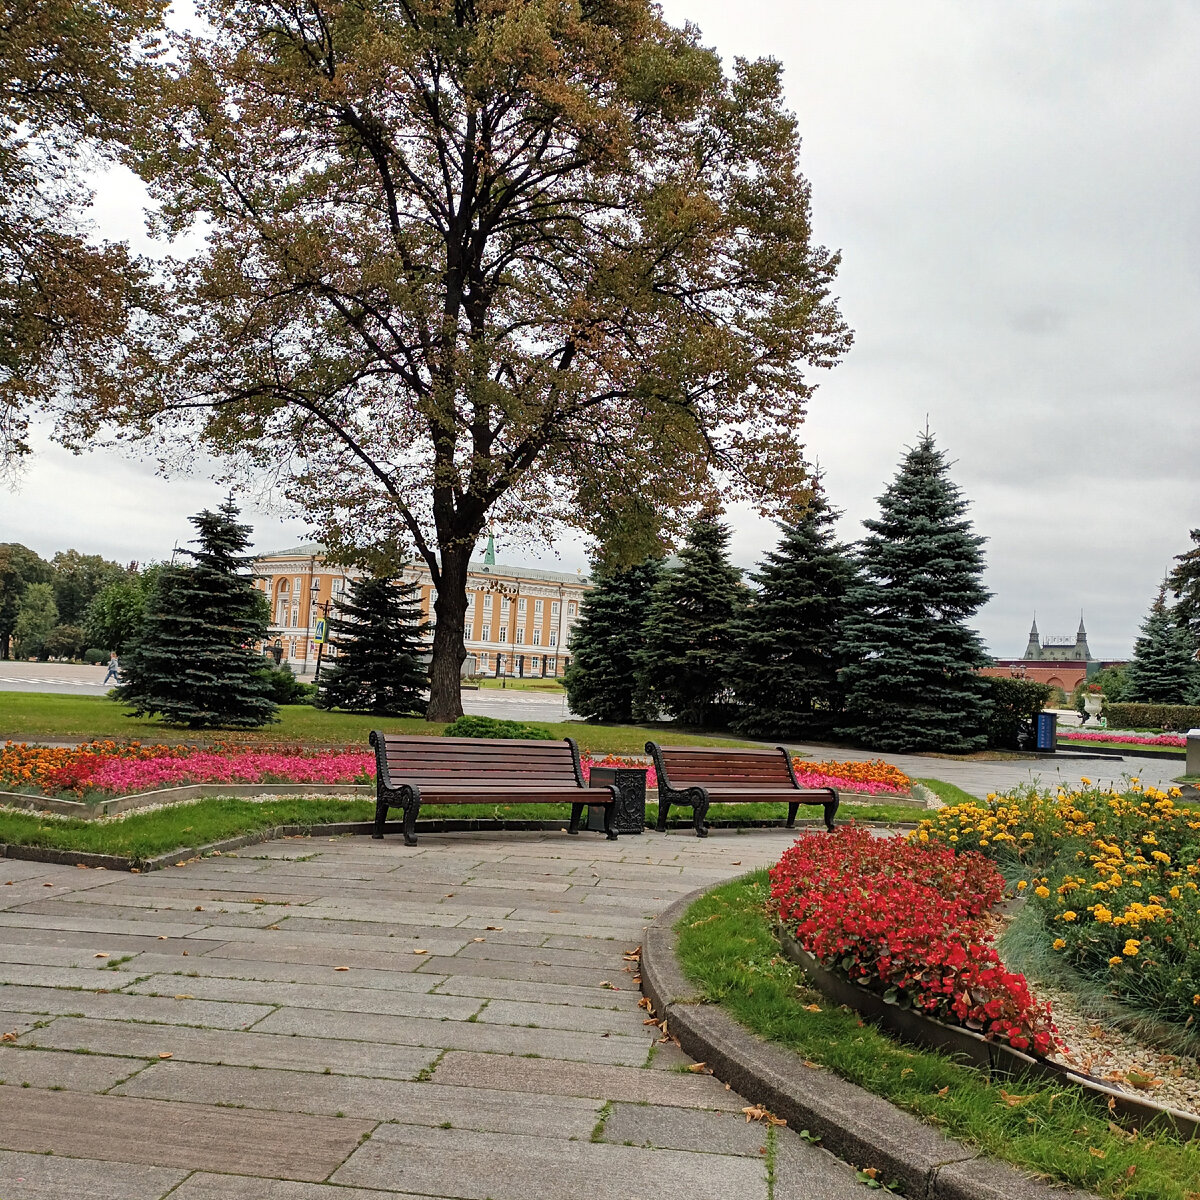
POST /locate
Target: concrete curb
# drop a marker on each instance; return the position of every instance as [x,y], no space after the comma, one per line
[854,1124]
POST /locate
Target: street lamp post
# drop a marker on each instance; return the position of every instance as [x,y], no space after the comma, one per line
[320,625]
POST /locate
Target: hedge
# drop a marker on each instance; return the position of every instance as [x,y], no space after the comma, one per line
[1174,718]
[1015,706]
[470,726]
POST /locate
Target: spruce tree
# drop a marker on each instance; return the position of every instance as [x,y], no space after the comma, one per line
[911,681]
[1164,668]
[785,673]
[1184,581]
[689,632]
[379,638]
[193,662]
[607,641]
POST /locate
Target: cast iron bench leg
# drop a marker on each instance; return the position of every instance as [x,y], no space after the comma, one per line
[610,818]
[576,817]
[831,807]
[700,804]
[664,807]
[410,820]
[793,809]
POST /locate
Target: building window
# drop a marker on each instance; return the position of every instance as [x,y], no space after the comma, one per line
[554,609]
[503,634]
[553,637]
[538,607]
[521,634]
[295,615]
[281,613]
[571,609]
[522,605]
[485,634]
[505,605]
[537,636]
[338,587]
[487,603]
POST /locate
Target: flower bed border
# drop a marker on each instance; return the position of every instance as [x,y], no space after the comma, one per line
[909,1025]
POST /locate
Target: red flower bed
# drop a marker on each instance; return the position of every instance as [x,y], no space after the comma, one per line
[905,920]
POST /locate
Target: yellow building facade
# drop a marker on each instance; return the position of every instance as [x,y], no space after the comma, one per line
[518,621]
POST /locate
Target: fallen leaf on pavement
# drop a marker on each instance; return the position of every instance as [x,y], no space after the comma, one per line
[165,1054]
[341,968]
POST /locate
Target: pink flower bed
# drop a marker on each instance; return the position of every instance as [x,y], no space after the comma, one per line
[118,775]
[248,766]
[1134,739]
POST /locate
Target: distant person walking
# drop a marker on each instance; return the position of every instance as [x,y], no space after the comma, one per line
[114,668]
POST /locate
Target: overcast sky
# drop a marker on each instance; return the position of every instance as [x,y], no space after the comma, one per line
[1015,189]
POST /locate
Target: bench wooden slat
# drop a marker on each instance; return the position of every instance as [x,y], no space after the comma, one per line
[702,775]
[412,770]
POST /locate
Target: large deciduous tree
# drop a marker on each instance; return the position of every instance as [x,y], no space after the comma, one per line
[71,73]
[525,261]
[912,682]
[19,567]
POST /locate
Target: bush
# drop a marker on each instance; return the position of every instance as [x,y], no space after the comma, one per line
[1015,706]
[95,656]
[1177,718]
[1113,878]
[285,688]
[491,727]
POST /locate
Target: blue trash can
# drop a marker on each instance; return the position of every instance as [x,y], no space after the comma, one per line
[1047,731]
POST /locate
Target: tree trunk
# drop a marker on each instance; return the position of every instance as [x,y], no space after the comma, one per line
[445,672]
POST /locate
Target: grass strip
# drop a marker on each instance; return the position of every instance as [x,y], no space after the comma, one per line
[727,947]
[948,793]
[45,716]
[190,824]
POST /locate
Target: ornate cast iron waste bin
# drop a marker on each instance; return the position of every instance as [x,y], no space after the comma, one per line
[630,816]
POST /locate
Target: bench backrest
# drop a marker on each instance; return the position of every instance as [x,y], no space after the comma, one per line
[716,765]
[400,758]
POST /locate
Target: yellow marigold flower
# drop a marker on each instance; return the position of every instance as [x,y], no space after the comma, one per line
[1085,780]
[1059,944]
[1041,890]
[1022,885]
[1159,856]
[1131,947]
[1070,915]
[1115,961]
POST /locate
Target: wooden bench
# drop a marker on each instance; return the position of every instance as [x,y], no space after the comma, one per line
[700,776]
[412,771]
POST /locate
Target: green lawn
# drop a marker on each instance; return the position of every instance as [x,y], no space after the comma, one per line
[34,716]
[727,947]
[948,793]
[184,827]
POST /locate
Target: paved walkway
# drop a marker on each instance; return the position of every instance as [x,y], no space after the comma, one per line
[455,1020]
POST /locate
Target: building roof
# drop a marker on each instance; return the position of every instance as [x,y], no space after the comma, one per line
[315,549]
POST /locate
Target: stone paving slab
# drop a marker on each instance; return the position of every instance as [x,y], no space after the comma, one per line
[685,1129]
[48,1177]
[82,942]
[553,1077]
[124,1007]
[315,1054]
[537,993]
[229,1187]
[427,1104]
[494,968]
[458,1035]
[482,1166]
[335,954]
[319,975]
[75,1072]
[329,996]
[119,1129]
[805,1170]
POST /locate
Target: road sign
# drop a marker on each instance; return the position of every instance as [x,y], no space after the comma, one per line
[321,626]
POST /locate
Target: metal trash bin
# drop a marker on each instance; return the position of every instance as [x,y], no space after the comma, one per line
[630,816]
[1192,766]
[1047,731]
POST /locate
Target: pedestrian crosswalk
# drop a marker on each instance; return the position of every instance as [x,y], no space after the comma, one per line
[56,680]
